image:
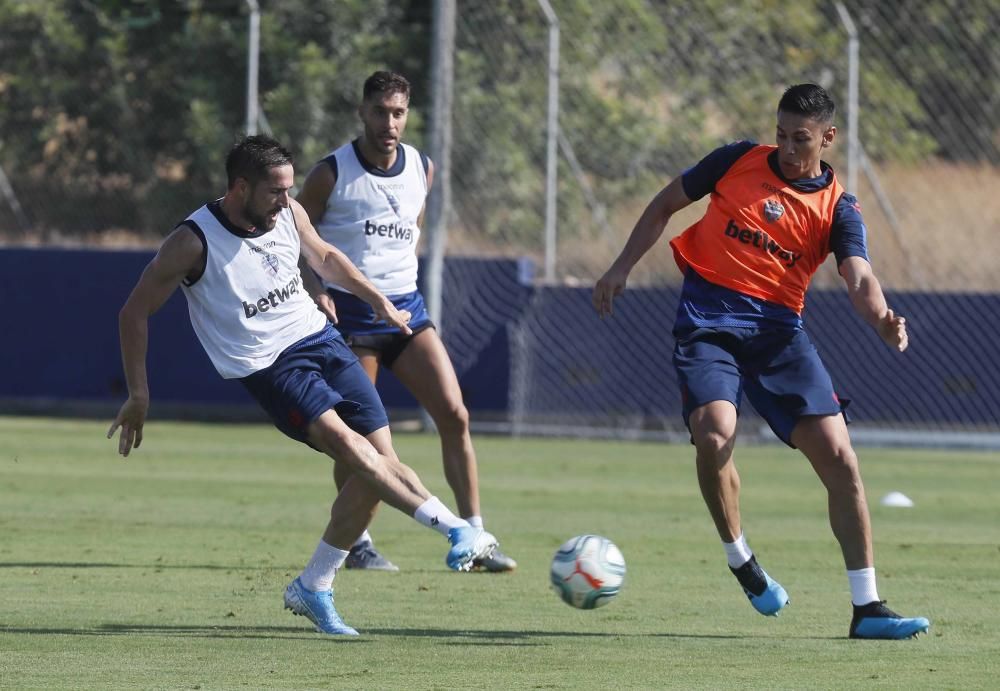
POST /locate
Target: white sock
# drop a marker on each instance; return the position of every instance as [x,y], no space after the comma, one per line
[365,537]
[433,514]
[737,553]
[319,572]
[475,521]
[863,588]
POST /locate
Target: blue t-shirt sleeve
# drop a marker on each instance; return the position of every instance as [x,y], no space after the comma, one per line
[700,179]
[848,235]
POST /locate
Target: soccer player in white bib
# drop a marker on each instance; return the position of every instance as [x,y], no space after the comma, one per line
[236,260]
[367,198]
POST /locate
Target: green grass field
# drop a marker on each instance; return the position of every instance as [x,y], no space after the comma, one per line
[166,570]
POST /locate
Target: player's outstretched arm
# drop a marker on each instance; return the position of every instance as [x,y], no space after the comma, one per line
[646,232]
[333,265]
[868,300]
[179,256]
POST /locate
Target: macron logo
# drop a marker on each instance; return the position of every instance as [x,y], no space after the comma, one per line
[393,230]
[271,300]
[761,241]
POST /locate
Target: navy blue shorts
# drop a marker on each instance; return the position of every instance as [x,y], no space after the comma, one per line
[779,369]
[357,323]
[311,377]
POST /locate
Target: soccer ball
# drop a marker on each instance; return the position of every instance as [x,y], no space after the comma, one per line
[587,571]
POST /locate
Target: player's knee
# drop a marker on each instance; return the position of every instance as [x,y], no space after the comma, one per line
[349,449]
[370,465]
[714,443]
[840,470]
[842,458]
[389,456]
[847,461]
[454,419]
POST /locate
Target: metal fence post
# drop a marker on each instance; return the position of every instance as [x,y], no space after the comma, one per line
[253,62]
[551,143]
[439,200]
[853,137]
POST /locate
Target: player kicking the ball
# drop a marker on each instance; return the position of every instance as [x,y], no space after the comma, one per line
[775,213]
[236,260]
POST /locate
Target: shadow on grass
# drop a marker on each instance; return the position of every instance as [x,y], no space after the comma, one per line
[496,636]
[464,636]
[155,565]
[276,632]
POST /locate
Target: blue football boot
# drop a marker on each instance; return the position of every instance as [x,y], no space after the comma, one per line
[467,545]
[876,621]
[766,595]
[317,608]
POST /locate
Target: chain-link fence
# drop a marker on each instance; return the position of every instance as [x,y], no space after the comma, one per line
[116,117]
[645,90]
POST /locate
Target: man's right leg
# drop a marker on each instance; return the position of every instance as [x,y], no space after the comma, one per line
[394,483]
[363,554]
[378,475]
[397,485]
[711,381]
[713,431]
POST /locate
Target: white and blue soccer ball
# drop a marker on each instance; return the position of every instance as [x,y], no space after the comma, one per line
[588,571]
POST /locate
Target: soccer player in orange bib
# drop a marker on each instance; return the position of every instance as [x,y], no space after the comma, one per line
[774,214]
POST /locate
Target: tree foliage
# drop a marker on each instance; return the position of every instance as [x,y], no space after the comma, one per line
[118,113]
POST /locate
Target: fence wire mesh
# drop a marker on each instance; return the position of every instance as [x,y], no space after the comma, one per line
[647,89]
[95,147]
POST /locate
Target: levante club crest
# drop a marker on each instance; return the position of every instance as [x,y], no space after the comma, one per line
[773,210]
[270,263]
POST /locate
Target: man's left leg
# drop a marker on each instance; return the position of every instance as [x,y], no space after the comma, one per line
[311,593]
[825,442]
[425,369]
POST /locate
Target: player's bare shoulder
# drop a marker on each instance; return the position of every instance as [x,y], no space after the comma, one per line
[183,239]
[182,252]
[430,172]
[316,189]
[300,215]
[320,177]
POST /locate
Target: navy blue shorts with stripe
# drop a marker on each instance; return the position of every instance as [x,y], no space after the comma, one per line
[779,369]
[312,376]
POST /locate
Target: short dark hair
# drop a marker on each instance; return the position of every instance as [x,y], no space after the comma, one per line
[385,82]
[252,156]
[810,100]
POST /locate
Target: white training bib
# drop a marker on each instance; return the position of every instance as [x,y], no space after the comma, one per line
[249,304]
[371,216]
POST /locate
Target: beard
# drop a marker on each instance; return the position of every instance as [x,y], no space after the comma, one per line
[261,221]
